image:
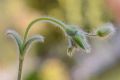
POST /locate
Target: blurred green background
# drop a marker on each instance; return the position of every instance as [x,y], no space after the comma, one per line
[49,61]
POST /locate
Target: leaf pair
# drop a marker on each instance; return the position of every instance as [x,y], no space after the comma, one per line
[23,46]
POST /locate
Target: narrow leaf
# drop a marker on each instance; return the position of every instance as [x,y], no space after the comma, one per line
[17,38]
[36,38]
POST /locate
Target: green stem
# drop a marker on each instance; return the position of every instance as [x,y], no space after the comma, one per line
[20,68]
[89,34]
[47,19]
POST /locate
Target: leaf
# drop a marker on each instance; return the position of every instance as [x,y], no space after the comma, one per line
[17,39]
[36,38]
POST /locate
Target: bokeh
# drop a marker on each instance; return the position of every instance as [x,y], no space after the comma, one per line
[48,60]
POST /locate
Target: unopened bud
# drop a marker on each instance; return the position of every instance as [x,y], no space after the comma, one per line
[106,30]
[81,40]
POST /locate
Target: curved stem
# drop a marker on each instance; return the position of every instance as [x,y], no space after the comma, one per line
[48,19]
[89,34]
[20,67]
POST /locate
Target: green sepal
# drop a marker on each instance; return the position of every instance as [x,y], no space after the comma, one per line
[81,40]
[71,46]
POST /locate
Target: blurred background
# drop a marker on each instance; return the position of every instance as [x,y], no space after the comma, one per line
[49,61]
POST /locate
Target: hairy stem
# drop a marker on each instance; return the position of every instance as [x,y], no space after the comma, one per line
[20,68]
[47,19]
[91,35]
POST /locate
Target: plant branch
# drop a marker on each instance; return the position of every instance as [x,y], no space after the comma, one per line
[90,35]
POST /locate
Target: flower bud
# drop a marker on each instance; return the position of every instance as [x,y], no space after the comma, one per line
[79,37]
[105,31]
[81,40]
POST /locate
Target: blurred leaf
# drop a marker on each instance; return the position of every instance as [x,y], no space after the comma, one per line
[36,38]
[17,38]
